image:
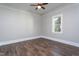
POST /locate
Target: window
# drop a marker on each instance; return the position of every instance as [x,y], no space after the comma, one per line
[57,24]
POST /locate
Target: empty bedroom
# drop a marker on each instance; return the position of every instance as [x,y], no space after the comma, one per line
[39,29]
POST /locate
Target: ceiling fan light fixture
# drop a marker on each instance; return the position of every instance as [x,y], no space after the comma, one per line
[39,7]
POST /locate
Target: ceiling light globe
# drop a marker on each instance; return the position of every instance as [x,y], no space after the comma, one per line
[39,7]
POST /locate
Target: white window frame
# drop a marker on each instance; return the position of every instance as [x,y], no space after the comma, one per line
[53,24]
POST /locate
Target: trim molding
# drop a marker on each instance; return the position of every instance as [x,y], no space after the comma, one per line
[62,41]
[31,38]
[18,40]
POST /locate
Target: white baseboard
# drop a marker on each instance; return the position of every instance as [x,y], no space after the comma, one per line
[31,38]
[62,41]
[18,40]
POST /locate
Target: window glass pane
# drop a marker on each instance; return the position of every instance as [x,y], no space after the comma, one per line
[57,24]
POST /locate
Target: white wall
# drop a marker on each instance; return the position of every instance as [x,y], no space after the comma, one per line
[17,24]
[70,23]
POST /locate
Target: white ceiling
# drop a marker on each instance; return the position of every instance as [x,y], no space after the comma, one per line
[27,7]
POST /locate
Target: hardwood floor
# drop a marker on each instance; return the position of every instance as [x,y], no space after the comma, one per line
[39,47]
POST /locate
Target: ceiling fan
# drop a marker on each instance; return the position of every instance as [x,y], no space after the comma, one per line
[39,5]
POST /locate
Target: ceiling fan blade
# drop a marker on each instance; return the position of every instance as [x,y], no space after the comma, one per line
[44,3]
[36,8]
[43,7]
[33,5]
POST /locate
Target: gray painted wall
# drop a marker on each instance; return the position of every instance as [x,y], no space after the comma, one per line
[70,23]
[17,24]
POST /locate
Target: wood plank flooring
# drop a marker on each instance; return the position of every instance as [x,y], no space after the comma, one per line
[39,47]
